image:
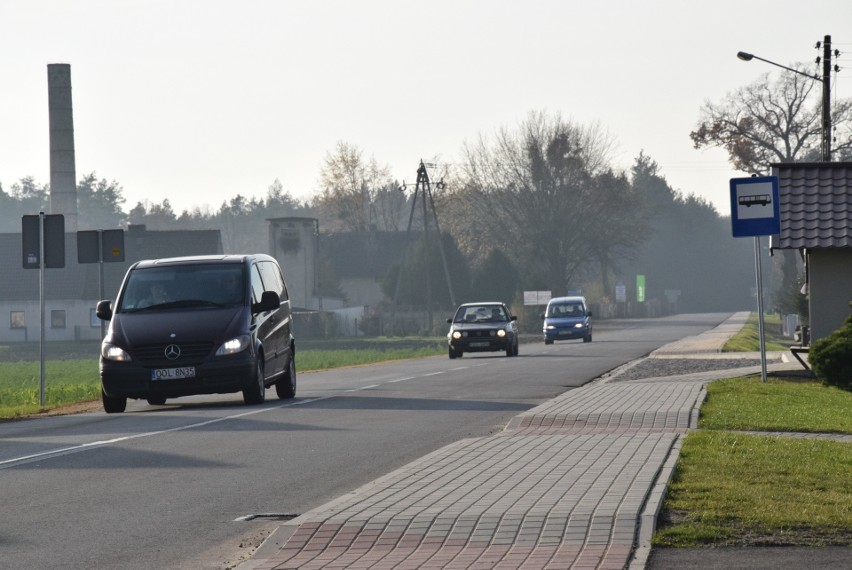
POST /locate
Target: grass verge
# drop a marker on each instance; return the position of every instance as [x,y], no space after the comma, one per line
[742,489]
[748,339]
[733,489]
[70,379]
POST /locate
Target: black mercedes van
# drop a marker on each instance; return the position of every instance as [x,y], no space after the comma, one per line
[198,325]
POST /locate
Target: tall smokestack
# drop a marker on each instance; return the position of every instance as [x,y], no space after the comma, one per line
[63,175]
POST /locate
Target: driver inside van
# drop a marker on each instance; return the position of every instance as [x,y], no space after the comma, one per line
[156,294]
[230,291]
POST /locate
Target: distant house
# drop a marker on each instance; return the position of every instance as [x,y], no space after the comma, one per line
[816,220]
[72,292]
[361,260]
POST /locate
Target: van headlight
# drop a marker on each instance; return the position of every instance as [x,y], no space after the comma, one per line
[234,345]
[501,333]
[456,335]
[579,325]
[115,353]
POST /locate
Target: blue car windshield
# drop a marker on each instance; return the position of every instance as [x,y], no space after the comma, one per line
[566,310]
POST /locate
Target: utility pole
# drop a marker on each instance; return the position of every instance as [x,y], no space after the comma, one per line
[826,88]
[423,188]
[826,98]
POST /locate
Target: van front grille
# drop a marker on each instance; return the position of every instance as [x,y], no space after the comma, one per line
[155,354]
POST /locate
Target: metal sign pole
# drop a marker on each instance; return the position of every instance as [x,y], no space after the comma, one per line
[760,328]
[755,211]
[101,276]
[41,304]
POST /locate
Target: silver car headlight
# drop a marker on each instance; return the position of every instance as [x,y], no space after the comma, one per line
[115,353]
[234,345]
[456,335]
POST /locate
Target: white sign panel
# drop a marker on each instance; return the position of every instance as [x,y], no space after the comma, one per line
[536,297]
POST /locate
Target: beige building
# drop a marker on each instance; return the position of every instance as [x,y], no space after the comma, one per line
[816,220]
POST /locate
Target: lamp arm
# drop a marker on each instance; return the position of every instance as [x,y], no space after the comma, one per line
[814,77]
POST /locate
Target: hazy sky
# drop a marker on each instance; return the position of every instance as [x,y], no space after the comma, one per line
[198,101]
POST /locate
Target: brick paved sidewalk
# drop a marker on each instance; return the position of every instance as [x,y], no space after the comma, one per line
[563,486]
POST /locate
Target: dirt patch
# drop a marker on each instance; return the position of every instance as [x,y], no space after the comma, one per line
[78,408]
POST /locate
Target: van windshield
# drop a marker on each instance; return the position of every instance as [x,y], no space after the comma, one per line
[208,285]
[566,310]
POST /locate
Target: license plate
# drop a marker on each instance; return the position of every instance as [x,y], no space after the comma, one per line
[173,373]
[478,344]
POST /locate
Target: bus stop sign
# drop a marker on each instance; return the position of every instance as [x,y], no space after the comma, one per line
[754,206]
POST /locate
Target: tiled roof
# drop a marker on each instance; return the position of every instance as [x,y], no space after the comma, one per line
[815,205]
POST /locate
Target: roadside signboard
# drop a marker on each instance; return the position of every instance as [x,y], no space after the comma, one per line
[94,246]
[755,212]
[42,245]
[620,292]
[536,297]
[754,206]
[100,246]
[52,228]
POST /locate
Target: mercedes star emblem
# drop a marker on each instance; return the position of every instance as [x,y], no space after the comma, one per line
[172,352]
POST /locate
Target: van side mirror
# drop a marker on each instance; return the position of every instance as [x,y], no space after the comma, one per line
[589,313]
[103,310]
[449,321]
[269,301]
[542,315]
[513,318]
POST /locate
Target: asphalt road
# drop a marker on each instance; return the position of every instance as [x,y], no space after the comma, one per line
[182,485]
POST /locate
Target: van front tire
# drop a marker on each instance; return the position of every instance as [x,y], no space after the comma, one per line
[113,405]
[256,392]
[285,387]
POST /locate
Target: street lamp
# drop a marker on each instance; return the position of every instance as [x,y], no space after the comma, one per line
[826,90]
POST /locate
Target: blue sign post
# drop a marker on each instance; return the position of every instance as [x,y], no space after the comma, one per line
[755,211]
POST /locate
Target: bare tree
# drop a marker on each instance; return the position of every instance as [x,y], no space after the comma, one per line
[779,121]
[768,122]
[355,194]
[536,197]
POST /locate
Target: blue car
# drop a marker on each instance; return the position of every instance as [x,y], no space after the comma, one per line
[567,318]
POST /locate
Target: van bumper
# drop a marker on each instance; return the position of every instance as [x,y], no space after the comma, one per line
[214,376]
[567,333]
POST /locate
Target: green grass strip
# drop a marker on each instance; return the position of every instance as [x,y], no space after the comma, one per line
[74,381]
[736,489]
[779,404]
[748,338]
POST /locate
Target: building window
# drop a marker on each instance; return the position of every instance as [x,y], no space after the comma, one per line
[93,318]
[17,320]
[57,319]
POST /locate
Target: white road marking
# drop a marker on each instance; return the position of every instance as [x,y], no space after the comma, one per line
[95,444]
[401,379]
[363,388]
